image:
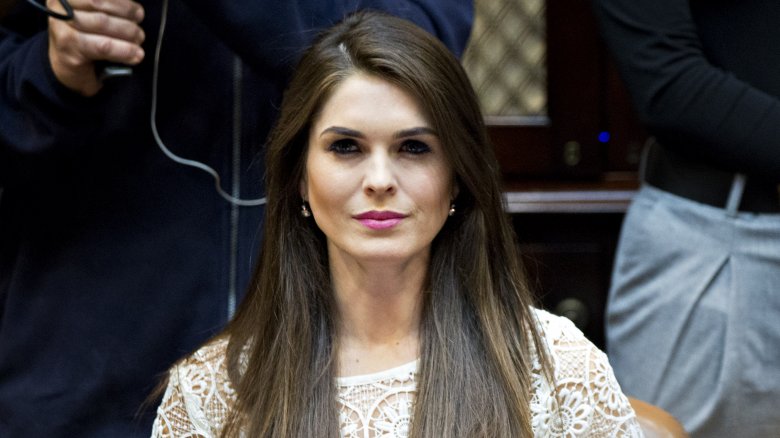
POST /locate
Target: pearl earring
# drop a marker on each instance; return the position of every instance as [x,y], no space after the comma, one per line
[452,210]
[305,210]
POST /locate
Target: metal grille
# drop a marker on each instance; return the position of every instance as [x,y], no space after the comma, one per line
[505,57]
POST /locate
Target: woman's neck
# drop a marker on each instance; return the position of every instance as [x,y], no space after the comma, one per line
[379,307]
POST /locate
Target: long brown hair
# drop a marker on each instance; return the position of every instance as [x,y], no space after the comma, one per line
[478,333]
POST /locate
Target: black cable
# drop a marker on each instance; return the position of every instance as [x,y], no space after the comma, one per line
[68,15]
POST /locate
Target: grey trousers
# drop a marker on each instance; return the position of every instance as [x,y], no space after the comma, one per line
[693,316]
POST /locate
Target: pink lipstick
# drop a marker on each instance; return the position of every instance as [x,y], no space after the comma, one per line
[380,220]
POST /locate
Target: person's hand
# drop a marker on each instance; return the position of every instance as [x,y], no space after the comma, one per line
[101,30]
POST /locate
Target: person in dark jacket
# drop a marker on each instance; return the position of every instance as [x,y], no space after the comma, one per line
[693,321]
[115,260]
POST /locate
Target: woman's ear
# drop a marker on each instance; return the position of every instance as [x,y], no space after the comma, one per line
[455,189]
[303,188]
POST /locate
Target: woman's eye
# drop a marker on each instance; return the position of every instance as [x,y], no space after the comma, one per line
[344,146]
[415,147]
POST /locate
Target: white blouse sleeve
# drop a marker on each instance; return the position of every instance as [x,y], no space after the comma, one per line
[197,398]
[587,400]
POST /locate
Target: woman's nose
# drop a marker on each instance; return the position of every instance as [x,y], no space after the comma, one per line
[380,175]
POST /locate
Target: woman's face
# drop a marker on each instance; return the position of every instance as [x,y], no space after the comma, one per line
[376,177]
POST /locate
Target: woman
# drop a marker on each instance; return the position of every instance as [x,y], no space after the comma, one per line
[389,298]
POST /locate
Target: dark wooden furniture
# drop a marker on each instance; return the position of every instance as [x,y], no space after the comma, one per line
[568,231]
[571,175]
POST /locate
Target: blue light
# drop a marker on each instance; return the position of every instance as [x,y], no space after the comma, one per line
[604,136]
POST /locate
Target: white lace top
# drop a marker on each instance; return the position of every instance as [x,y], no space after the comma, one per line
[590,401]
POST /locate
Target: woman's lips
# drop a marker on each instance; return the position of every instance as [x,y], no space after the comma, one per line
[380,220]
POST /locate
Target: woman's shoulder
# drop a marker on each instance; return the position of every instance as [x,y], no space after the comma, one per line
[571,353]
[206,368]
[210,355]
[556,329]
[198,396]
[584,391]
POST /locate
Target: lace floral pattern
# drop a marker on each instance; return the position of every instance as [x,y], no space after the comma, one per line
[584,401]
[377,405]
[198,396]
[589,401]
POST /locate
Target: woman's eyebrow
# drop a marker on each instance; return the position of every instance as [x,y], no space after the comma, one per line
[342,131]
[347,132]
[422,130]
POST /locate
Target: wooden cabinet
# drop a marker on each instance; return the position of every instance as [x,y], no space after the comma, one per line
[589,129]
[570,174]
[567,234]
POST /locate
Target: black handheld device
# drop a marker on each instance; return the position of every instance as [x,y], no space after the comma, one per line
[104,70]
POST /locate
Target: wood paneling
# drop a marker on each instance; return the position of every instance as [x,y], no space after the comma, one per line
[570,176]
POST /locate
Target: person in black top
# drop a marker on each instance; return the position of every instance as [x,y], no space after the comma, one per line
[693,321]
